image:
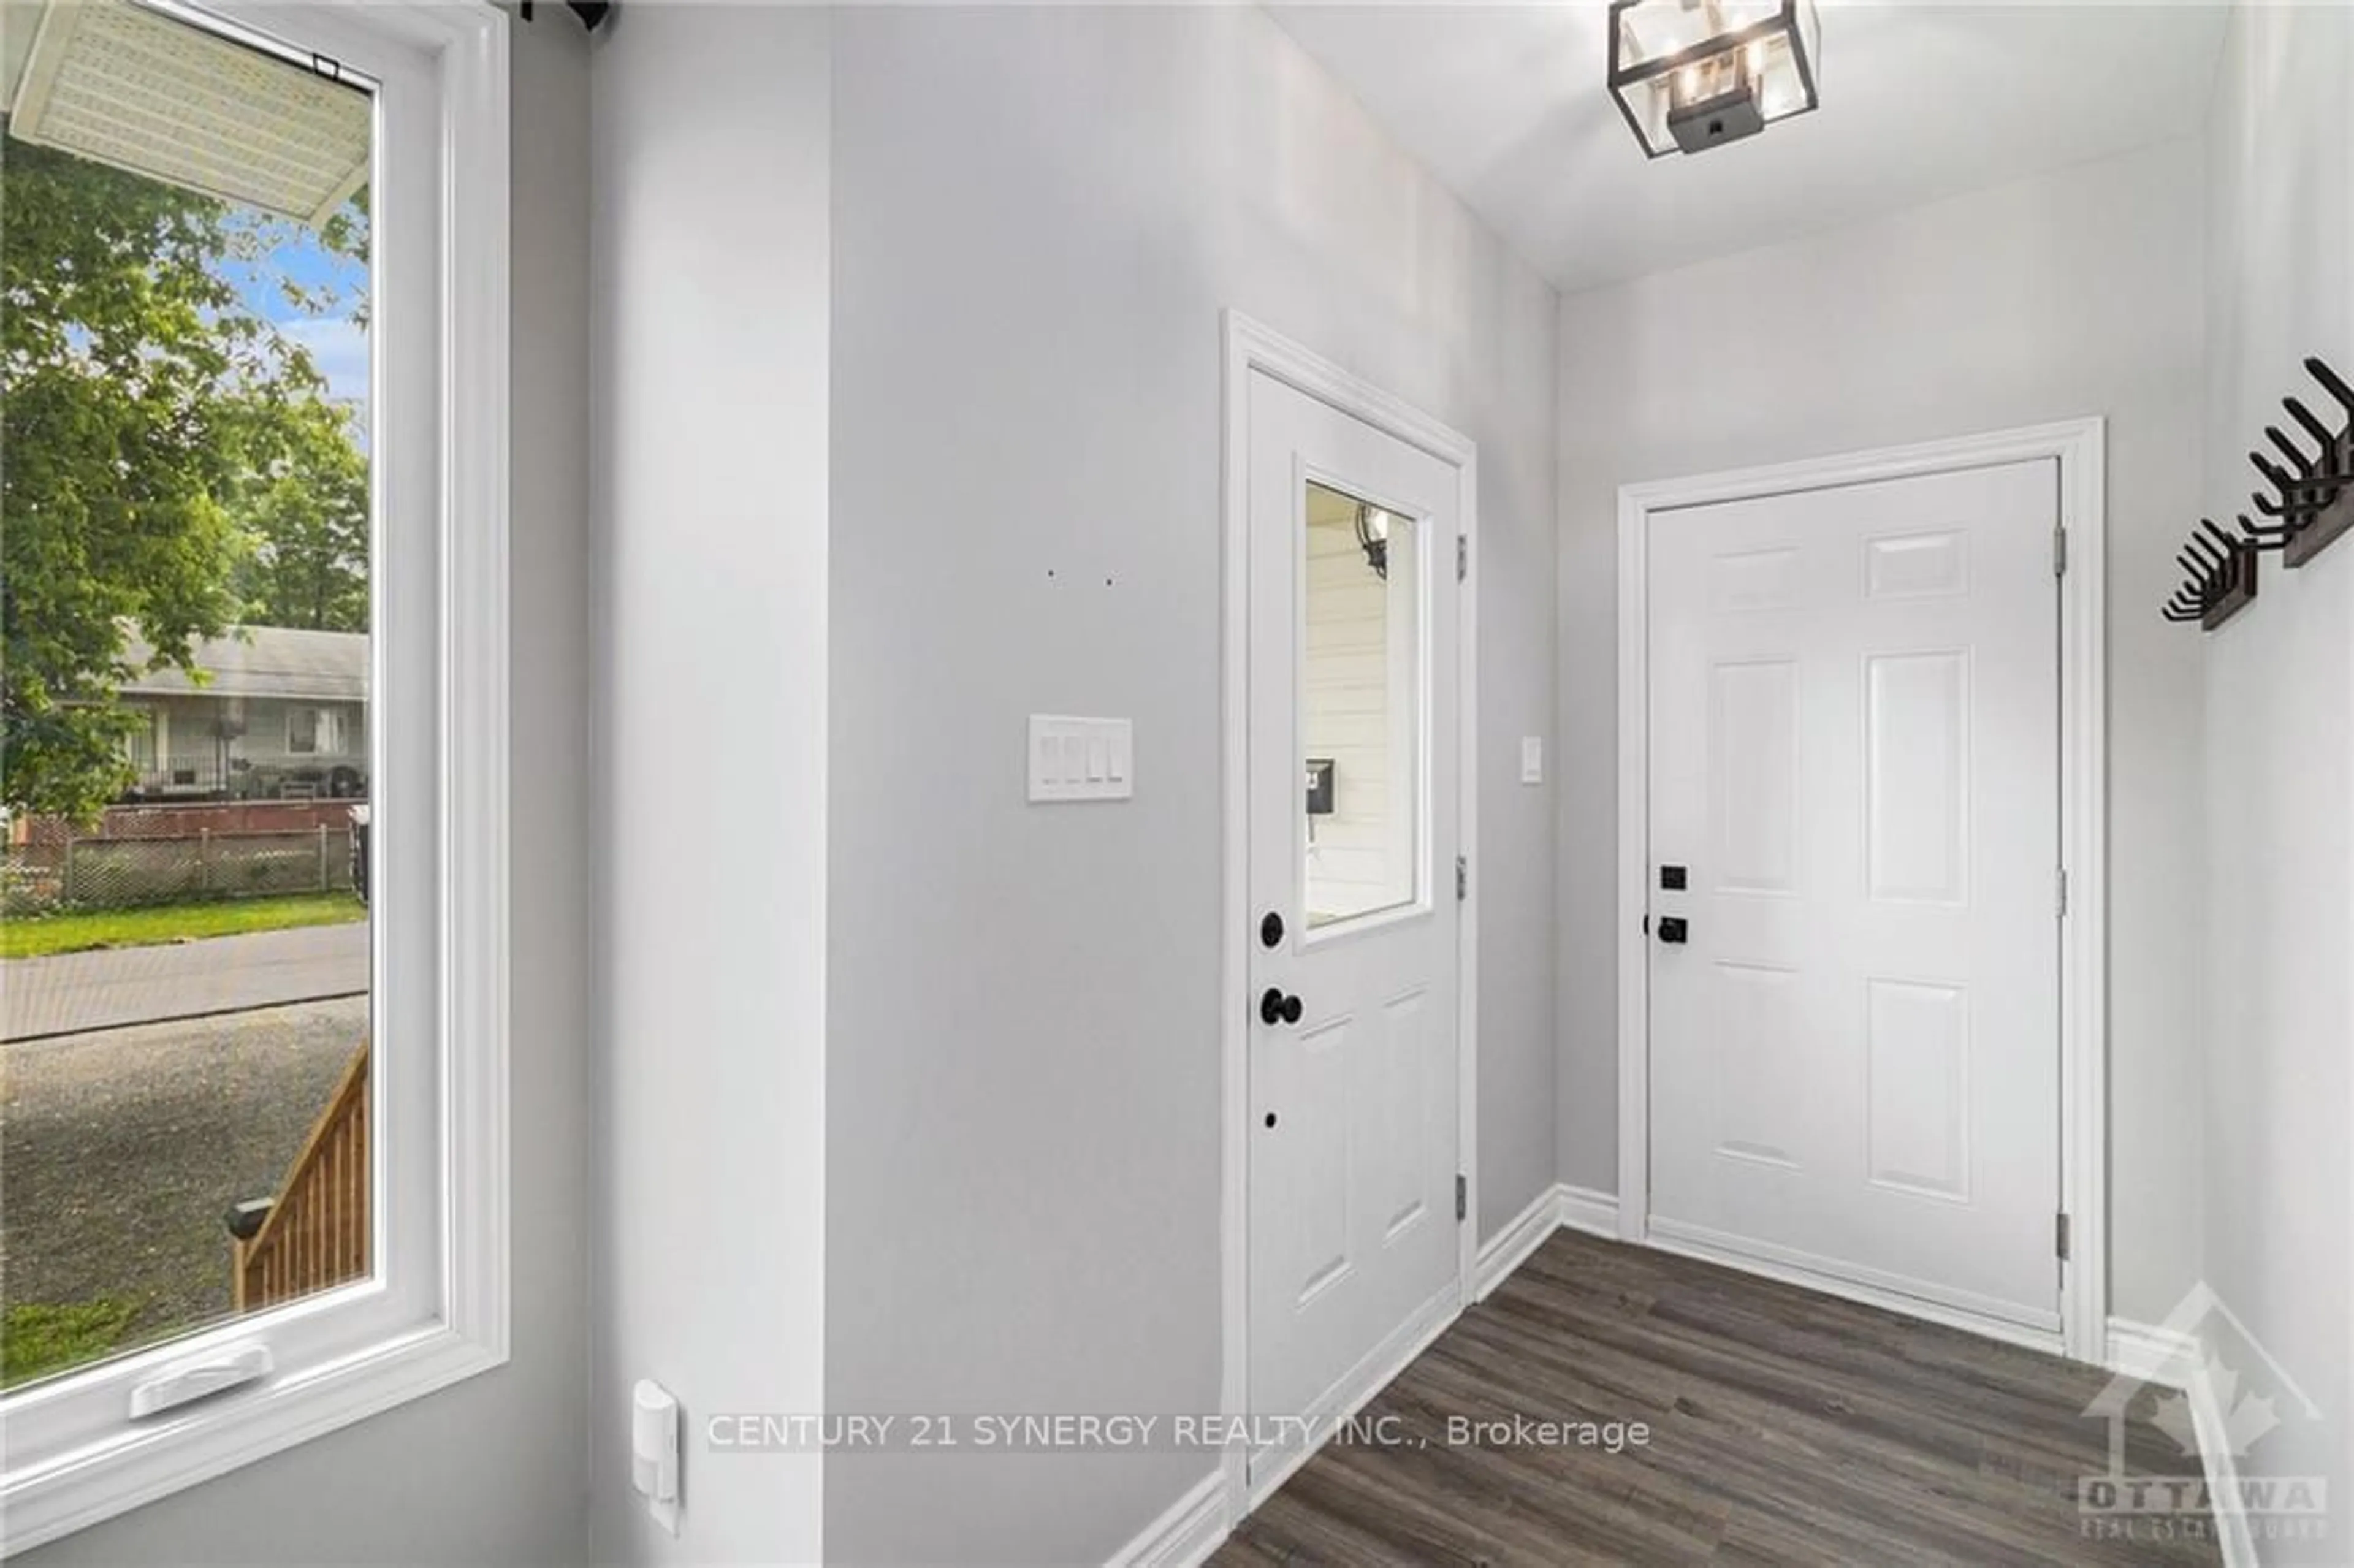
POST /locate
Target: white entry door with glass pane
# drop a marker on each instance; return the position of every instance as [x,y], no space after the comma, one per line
[1854,841]
[1352,835]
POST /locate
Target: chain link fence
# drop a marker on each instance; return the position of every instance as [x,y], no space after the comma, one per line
[120,874]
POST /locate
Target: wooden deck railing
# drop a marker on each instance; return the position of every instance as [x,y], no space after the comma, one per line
[315,1232]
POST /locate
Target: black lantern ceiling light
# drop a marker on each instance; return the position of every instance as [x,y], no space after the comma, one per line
[1374,538]
[1694,74]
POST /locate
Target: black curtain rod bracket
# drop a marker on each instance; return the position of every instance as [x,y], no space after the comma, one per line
[591,12]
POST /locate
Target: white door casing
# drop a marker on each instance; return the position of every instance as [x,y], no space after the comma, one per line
[1861,705]
[1346,1244]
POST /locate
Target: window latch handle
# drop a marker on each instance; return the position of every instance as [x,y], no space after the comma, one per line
[176,1386]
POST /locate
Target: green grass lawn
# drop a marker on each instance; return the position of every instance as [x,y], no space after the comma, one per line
[36,1339]
[40,936]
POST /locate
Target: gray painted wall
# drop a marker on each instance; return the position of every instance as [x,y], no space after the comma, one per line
[1038,217]
[2280,753]
[710,320]
[490,1470]
[2070,294]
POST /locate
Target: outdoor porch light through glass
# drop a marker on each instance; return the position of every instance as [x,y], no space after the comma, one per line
[1694,74]
[1374,538]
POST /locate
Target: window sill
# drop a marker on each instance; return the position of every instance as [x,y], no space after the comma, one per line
[151,1461]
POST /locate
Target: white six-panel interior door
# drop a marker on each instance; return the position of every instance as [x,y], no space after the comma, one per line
[1854,857]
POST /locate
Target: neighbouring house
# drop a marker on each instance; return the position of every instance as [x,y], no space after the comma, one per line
[275,714]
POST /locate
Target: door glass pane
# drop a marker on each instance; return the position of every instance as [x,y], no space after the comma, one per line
[1360,687]
[185,522]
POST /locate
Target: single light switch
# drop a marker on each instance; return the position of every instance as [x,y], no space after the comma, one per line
[1531,760]
[1081,759]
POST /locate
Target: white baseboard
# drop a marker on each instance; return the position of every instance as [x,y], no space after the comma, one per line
[2151,1353]
[1583,1209]
[1596,1213]
[2222,1471]
[1192,1527]
[1187,1531]
[1809,1273]
[1375,1372]
[1559,1206]
[1509,1247]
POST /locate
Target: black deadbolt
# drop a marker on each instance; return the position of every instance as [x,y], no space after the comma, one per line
[1270,1119]
[1270,930]
[1274,1008]
[1672,928]
[1671,877]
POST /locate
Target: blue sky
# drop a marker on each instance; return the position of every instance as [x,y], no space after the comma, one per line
[338,345]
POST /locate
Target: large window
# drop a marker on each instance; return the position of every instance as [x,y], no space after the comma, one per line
[187,374]
[251,904]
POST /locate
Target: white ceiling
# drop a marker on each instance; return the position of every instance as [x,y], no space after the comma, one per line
[1510,106]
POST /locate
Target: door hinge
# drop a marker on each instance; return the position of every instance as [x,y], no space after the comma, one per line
[2059,1236]
[2059,552]
[2063,892]
[1462,556]
[1462,877]
[1462,1196]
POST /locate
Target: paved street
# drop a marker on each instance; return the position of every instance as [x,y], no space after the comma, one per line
[122,1150]
[74,992]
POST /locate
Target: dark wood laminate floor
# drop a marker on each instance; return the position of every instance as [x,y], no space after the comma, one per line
[1785,1427]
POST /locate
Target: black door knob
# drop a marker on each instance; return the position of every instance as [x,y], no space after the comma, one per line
[1672,928]
[1274,1008]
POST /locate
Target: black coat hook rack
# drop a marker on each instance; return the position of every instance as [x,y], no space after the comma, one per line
[2220,579]
[2307,502]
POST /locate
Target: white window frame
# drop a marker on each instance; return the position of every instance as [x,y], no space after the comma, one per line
[436,1310]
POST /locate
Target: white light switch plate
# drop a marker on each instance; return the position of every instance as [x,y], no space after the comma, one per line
[1081,759]
[1531,760]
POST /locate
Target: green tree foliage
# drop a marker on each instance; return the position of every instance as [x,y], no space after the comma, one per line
[309,521]
[165,454]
